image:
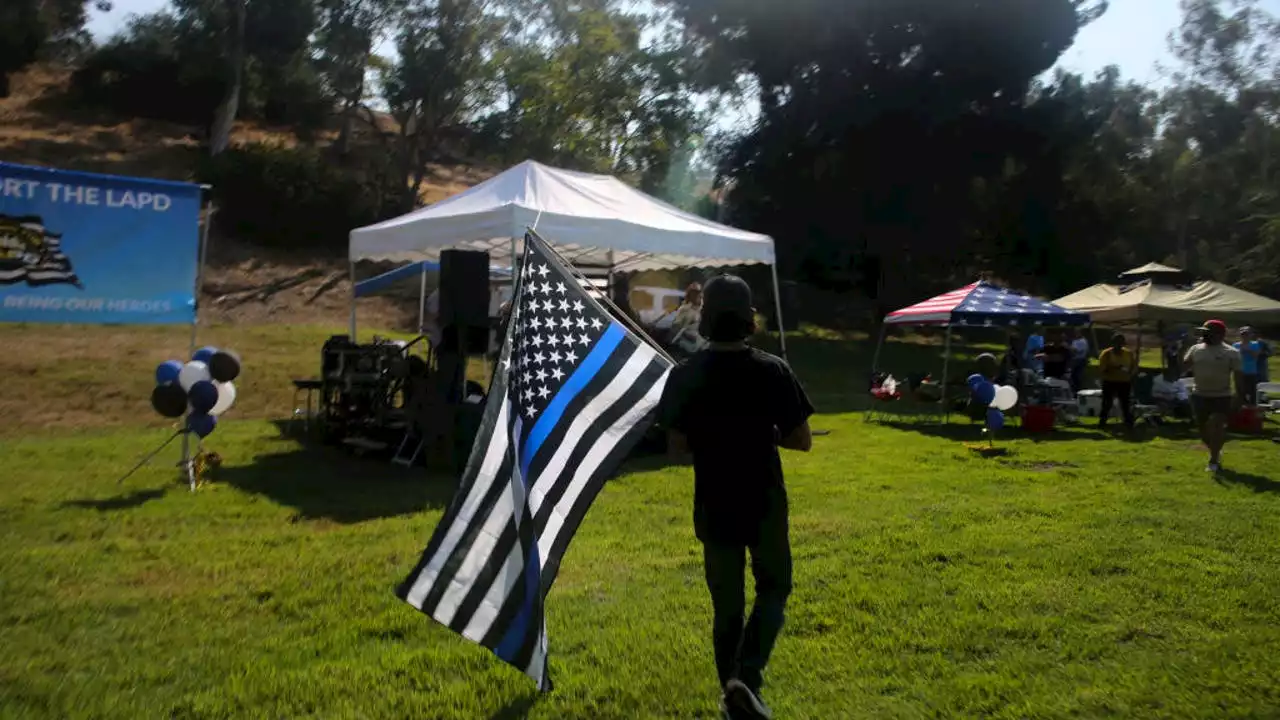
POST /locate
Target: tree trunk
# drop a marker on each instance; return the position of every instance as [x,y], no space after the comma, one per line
[225,117]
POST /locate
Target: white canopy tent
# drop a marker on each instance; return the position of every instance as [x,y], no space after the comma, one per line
[592,220]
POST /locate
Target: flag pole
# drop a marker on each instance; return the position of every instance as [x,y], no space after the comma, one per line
[186,463]
[608,302]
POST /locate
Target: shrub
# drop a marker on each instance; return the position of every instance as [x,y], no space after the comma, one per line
[290,198]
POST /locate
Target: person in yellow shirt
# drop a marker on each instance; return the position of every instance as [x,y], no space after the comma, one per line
[1117,365]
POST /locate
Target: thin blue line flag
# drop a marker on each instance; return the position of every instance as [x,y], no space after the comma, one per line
[573,392]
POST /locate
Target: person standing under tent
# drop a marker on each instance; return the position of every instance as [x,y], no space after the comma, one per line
[1213,363]
[732,406]
[1250,354]
[1079,358]
[1032,350]
[684,326]
[1055,357]
[1117,365]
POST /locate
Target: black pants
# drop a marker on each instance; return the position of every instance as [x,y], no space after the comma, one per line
[1247,388]
[743,650]
[1120,391]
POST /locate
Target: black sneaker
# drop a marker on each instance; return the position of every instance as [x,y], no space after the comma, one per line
[742,703]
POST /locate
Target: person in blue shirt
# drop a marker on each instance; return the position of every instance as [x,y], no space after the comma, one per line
[1250,349]
[1033,348]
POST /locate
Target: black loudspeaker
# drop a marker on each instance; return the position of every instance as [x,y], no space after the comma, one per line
[464,289]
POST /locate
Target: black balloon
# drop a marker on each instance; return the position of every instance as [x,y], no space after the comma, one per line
[169,399]
[224,366]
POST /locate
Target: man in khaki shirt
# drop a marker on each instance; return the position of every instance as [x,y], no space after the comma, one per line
[1213,363]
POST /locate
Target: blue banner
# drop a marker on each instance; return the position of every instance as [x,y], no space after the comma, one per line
[88,248]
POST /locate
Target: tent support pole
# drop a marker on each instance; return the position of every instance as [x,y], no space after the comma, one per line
[609,282]
[422,298]
[1137,363]
[875,358]
[946,362]
[777,308]
[351,264]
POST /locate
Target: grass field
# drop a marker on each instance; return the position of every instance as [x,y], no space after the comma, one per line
[1082,575]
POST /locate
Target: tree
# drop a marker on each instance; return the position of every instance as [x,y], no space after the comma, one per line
[579,89]
[344,43]
[31,28]
[439,81]
[876,121]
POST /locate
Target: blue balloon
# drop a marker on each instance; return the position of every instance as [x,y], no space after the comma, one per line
[201,424]
[203,395]
[974,380]
[167,372]
[995,419]
[984,392]
[205,354]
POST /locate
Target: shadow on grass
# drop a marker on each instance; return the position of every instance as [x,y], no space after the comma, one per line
[516,709]
[328,483]
[964,431]
[137,498]
[836,371]
[1256,483]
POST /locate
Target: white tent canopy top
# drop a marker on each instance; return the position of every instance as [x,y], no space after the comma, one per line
[593,220]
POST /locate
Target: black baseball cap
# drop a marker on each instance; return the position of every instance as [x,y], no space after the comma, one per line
[727,313]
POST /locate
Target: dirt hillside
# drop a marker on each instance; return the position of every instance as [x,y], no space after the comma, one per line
[41,125]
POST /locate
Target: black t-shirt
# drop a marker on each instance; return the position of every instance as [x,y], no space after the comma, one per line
[1056,357]
[733,406]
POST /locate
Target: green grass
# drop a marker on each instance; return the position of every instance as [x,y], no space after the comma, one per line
[1080,576]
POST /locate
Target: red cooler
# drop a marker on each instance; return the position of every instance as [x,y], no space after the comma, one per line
[1039,418]
[1247,419]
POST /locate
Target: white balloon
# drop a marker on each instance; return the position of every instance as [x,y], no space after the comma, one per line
[192,373]
[226,398]
[1006,397]
[995,397]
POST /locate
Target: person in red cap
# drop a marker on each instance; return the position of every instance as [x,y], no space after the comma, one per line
[1213,364]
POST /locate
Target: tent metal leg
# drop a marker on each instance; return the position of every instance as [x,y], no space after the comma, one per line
[875,359]
[777,308]
[946,364]
[352,270]
[422,299]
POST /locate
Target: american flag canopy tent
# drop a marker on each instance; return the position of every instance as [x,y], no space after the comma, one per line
[983,304]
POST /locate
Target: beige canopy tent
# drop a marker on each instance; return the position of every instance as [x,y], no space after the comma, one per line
[1153,299]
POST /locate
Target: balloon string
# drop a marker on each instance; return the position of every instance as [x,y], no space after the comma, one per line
[147,459]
